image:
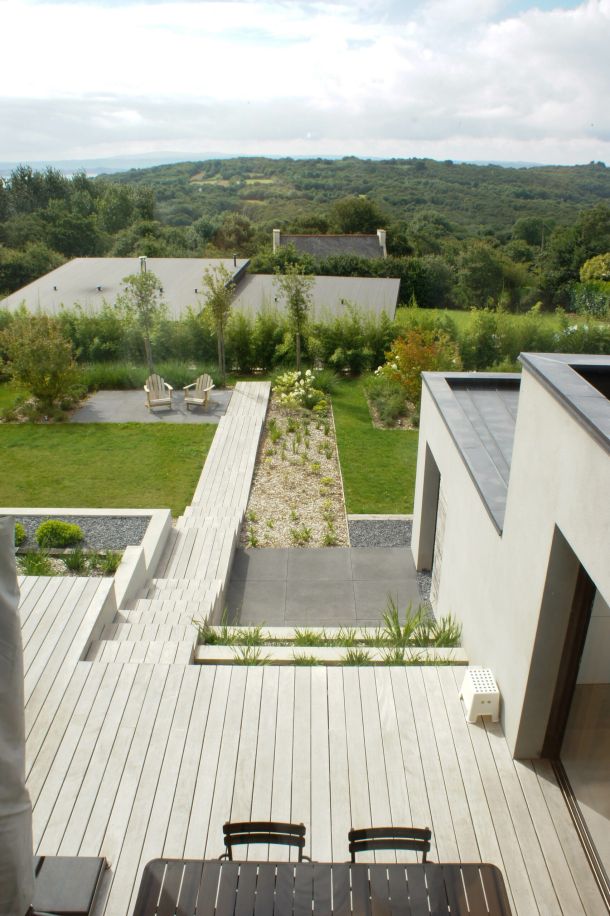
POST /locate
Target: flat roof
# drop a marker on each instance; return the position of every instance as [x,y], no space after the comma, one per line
[332,296]
[90,282]
[580,382]
[480,412]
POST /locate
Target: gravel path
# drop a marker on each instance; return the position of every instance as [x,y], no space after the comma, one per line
[380,532]
[110,532]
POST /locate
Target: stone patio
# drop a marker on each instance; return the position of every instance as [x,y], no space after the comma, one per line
[328,586]
[130,407]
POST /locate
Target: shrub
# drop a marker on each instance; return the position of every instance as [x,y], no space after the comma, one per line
[20,534]
[36,563]
[297,389]
[75,561]
[388,398]
[56,533]
[110,562]
[40,359]
[418,352]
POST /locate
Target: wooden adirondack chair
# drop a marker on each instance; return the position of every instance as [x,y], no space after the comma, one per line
[158,392]
[202,387]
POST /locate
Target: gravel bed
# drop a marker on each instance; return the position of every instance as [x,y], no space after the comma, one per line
[380,532]
[424,581]
[101,532]
[296,498]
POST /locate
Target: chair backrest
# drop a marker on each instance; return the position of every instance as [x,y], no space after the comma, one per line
[204,382]
[270,832]
[416,839]
[156,385]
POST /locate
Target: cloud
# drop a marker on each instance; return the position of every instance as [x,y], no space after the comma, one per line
[322,77]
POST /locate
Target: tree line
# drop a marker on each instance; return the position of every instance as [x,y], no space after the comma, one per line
[458,235]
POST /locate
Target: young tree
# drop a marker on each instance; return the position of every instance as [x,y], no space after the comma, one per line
[141,304]
[218,298]
[39,357]
[297,290]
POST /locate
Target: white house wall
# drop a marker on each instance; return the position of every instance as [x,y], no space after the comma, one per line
[495,583]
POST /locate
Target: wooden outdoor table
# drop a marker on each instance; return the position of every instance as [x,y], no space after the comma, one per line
[183,887]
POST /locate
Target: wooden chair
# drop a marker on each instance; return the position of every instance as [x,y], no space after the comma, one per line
[270,832]
[199,398]
[372,838]
[158,392]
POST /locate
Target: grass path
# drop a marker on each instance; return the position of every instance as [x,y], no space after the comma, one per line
[378,465]
[110,465]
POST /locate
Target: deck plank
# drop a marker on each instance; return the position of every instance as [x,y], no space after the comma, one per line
[438,799]
[321,831]
[117,766]
[281,792]
[189,766]
[241,806]
[229,747]
[197,833]
[127,860]
[341,820]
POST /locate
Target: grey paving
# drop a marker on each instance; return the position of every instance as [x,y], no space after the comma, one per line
[130,407]
[332,586]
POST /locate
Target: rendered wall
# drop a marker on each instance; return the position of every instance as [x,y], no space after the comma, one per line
[512,591]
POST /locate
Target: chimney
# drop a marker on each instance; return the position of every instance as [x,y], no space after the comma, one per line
[382,244]
[276,240]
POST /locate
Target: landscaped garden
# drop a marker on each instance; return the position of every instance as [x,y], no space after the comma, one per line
[142,465]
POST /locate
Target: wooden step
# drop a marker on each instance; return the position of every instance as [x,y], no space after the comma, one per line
[177,652]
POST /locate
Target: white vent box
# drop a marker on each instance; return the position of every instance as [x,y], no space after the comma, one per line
[480,694]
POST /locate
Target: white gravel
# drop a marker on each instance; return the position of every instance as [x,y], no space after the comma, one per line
[296,498]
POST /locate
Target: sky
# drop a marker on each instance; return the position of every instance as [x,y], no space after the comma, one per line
[479,80]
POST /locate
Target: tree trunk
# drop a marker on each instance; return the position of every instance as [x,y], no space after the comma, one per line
[148,351]
[221,357]
[298,348]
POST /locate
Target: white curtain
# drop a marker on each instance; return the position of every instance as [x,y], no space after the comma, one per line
[16,868]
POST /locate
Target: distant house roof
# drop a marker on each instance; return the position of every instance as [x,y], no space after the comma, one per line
[324,246]
[90,282]
[332,296]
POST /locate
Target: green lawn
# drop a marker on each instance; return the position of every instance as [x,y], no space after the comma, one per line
[107,465]
[378,465]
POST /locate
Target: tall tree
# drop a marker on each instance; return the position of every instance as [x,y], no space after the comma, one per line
[297,290]
[141,304]
[218,298]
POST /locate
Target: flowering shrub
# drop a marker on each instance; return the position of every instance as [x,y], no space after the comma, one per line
[297,389]
[420,351]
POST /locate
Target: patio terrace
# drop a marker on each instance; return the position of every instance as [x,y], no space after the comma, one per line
[149,756]
[134,761]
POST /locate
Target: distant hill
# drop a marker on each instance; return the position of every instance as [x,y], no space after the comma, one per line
[475,199]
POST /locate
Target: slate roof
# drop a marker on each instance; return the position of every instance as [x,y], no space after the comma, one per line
[331,295]
[92,281]
[325,246]
[480,411]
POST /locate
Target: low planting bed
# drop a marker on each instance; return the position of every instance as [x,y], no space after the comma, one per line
[420,640]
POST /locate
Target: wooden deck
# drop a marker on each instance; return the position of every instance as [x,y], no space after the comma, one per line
[135,753]
[137,761]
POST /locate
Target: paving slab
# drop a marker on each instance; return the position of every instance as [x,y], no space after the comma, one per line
[319,563]
[320,604]
[130,407]
[332,586]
